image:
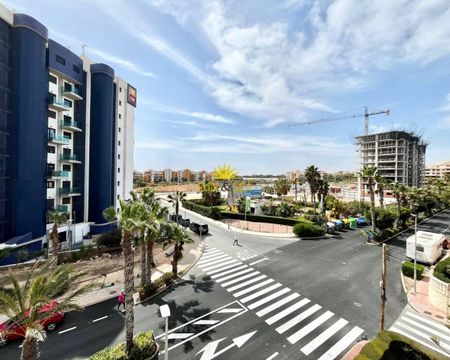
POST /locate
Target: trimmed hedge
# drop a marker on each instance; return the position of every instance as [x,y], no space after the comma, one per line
[260,218]
[441,272]
[110,239]
[164,280]
[408,270]
[212,212]
[308,230]
[144,348]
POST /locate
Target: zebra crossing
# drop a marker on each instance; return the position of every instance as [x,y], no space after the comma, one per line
[423,330]
[317,332]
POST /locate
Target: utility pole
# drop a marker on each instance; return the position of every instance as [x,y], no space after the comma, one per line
[383,285]
[295,184]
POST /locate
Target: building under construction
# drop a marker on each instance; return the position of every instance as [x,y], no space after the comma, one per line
[398,155]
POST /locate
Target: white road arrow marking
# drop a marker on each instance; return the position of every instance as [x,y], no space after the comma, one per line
[209,350]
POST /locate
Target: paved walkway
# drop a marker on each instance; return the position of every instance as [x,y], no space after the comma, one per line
[259,227]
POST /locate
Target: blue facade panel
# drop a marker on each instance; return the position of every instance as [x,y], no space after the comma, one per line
[101,168]
[64,61]
[29,128]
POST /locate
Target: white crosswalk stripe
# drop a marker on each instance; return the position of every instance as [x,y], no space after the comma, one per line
[422,329]
[308,327]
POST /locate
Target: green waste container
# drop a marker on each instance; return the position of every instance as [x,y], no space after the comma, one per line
[353,223]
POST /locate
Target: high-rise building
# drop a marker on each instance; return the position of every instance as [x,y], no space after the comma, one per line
[66,132]
[437,171]
[398,155]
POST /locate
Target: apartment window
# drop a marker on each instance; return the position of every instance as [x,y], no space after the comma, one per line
[120,89]
[60,60]
[50,184]
[118,156]
[67,168]
[51,149]
[118,143]
[66,201]
[76,69]
[51,132]
[118,170]
[119,129]
[68,103]
[118,198]
[120,102]
[51,114]
[118,183]
[52,79]
[67,135]
[120,116]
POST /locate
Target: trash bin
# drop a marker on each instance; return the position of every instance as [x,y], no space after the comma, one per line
[353,223]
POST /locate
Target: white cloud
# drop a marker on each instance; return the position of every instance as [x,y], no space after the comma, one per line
[126,64]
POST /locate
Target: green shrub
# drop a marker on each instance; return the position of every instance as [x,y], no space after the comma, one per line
[408,270]
[212,212]
[110,239]
[308,230]
[260,218]
[144,347]
[442,270]
[165,279]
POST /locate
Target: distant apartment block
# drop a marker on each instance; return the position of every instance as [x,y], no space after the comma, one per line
[169,175]
[438,171]
[294,175]
[66,132]
[398,155]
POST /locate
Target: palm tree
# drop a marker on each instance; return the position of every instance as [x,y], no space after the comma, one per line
[370,173]
[382,184]
[129,220]
[176,236]
[176,198]
[399,191]
[322,190]
[22,301]
[282,186]
[312,178]
[57,218]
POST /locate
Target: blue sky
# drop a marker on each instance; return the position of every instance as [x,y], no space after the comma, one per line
[219,81]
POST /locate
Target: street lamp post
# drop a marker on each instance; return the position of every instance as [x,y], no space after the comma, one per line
[165,313]
[415,252]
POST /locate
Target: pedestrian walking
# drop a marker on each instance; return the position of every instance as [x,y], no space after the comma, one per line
[121,300]
[235,242]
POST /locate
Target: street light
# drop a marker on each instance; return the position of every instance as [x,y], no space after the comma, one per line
[165,313]
[415,252]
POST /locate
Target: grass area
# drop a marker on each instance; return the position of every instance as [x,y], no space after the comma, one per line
[388,345]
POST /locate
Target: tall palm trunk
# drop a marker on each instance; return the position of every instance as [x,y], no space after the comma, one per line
[30,349]
[399,209]
[129,288]
[149,263]
[175,259]
[313,196]
[177,208]
[55,242]
[381,194]
[143,263]
[372,204]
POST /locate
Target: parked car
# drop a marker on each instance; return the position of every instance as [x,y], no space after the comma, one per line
[197,228]
[12,329]
[175,218]
[339,224]
[346,223]
[184,222]
[330,227]
[361,221]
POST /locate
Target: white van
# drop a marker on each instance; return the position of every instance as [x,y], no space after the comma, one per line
[429,247]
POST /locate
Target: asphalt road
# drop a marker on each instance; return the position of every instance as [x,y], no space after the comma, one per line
[337,277]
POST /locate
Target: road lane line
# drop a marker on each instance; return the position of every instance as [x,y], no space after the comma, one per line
[438,326]
[173,336]
[258,261]
[424,327]
[224,268]
[240,267]
[217,266]
[268,298]
[208,253]
[420,341]
[103,317]
[64,331]
[230,310]
[410,330]
[239,279]
[276,305]
[319,340]
[246,283]
[273,356]
[342,344]
[253,287]
[295,337]
[234,275]
[259,293]
[287,311]
[212,258]
[296,319]
[214,261]
[206,322]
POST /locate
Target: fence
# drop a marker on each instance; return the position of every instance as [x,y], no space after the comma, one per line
[439,292]
[260,227]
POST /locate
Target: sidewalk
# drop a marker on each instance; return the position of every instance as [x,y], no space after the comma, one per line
[421,302]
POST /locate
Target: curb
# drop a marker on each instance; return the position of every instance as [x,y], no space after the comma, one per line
[180,276]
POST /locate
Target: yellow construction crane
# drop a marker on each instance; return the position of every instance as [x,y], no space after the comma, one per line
[366,116]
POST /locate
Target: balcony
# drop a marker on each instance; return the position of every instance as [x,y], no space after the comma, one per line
[69,191]
[58,104]
[71,92]
[57,139]
[60,174]
[62,208]
[69,158]
[70,125]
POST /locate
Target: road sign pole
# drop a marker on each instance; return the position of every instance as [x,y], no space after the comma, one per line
[383,285]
